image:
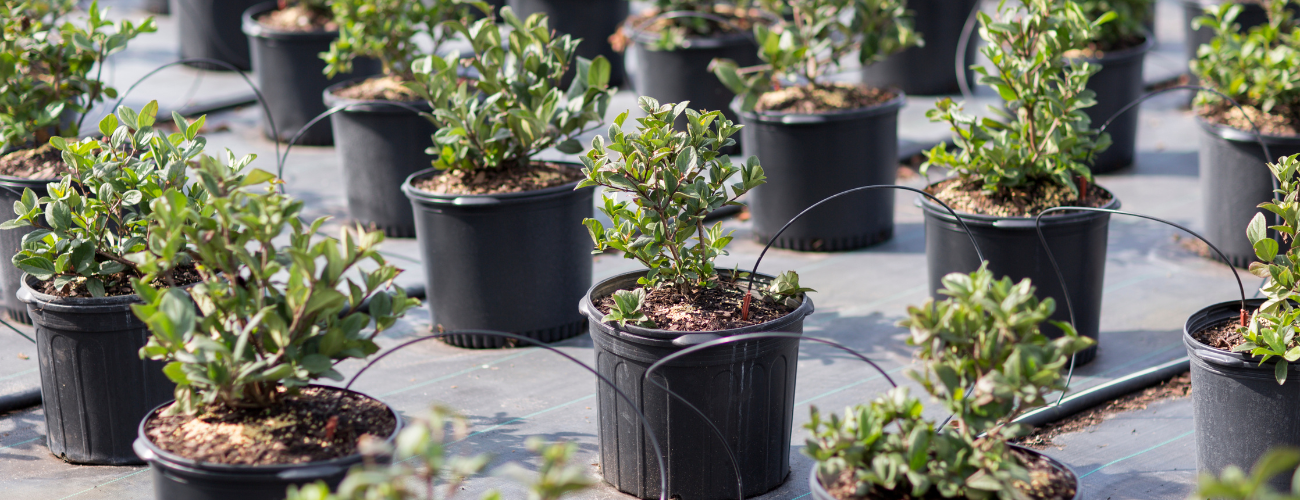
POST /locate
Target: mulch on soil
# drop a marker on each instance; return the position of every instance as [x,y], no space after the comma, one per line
[295,430]
[299,18]
[1041,438]
[500,180]
[44,162]
[704,310]
[119,284]
[384,88]
[822,98]
[968,195]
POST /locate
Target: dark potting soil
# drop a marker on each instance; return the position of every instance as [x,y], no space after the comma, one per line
[822,98]
[298,18]
[1222,336]
[1041,437]
[1098,50]
[538,175]
[120,284]
[740,21]
[384,88]
[708,309]
[967,195]
[1280,122]
[44,162]
[1047,482]
[294,430]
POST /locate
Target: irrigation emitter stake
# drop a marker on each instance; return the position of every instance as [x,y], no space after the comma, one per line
[744,308]
[740,490]
[1038,226]
[645,423]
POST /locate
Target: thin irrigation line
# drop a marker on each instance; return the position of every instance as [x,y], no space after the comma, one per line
[1118,460]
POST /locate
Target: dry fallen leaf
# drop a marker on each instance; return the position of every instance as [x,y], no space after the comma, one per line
[23,356]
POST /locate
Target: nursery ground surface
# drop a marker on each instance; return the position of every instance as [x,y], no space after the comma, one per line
[1152,285]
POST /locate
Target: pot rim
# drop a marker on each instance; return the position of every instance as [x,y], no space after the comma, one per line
[254,29]
[161,455]
[332,100]
[28,295]
[890,106]
[420,195]
[588,308]
[934,209]
[1123,55]
[815,485]
[1219,357]
[1237,135]
[691,42]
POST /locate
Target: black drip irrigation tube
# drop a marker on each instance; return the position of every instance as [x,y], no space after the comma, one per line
[645,423]
[280,159]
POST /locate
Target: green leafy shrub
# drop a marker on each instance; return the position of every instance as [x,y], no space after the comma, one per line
[1259,68]
[515,108]
[1044,137]
[801,52]
[97,216]
[986,361]
[269,315]
[1272,329]
[675,180]
[387,30]
[1235,484]
[50,66]
[422,465]
[1126,28]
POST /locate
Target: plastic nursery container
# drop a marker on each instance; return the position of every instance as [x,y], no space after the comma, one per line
[11,241]
[931,69]
[94,386]
[291,76]
[591,20]
[746,389]
[1238,408]
[1117,84]
[211,29]
[808,157]
[179,478]
[1234,181]
[379,146]
[512,262]
[1011,245]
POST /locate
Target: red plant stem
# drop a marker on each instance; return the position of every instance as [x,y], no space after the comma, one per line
[1083,188]
[744,308]
[330,426]
[1243,317]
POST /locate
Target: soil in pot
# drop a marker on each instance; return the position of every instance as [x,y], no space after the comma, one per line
[296,429]
[1049,482]
[968,195]
[31,168]
[300,18]
[822,98]
[704,310]
[43,162]
[506,179]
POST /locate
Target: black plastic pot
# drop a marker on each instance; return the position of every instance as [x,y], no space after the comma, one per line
[94,386]
[1238,408]
[1011,245]
[683,74]
[1117,84]
[211,29]
[591,20]
[290,74]
[1234,180]
[177,477]
[379,147]
[808,157]
[156,6]
[746,389]
[819,492]
[11,241]
[513,262]
[932,69]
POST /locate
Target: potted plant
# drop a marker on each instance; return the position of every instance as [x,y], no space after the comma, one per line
[675,40]
[674,179]
[285,38]
[76,282]
[210,29]
[929,69]
[1008,171]
[591,21]
[276,307]
[1198,34]
[500,230]
[984,339]
[1242,370]
[1120,46]
[48,84]
[421,458]
[1260,70]
[379,144]
[818,137]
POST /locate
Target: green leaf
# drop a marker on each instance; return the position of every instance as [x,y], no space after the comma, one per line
[570,146]
[1280,371]
[39,267]
[257,176]
[1257,229]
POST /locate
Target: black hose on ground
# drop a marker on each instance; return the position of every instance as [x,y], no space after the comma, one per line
[1105,392]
